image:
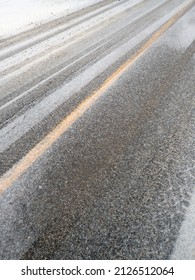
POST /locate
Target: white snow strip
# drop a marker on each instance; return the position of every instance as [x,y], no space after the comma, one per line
[50,77]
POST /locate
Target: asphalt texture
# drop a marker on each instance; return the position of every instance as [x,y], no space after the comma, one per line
[119,182]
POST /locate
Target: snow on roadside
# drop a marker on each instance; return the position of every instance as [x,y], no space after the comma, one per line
[19,15]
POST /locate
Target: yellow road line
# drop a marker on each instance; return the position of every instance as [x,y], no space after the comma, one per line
[19,168]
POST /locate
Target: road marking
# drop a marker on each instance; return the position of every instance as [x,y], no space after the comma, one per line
[19,168]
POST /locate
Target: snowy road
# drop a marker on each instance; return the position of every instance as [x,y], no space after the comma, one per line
[97,133]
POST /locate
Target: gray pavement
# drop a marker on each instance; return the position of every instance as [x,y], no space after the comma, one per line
[119,182]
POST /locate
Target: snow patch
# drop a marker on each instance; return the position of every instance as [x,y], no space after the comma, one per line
[19,15]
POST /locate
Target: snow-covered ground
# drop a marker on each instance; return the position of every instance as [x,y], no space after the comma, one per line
[19,15]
